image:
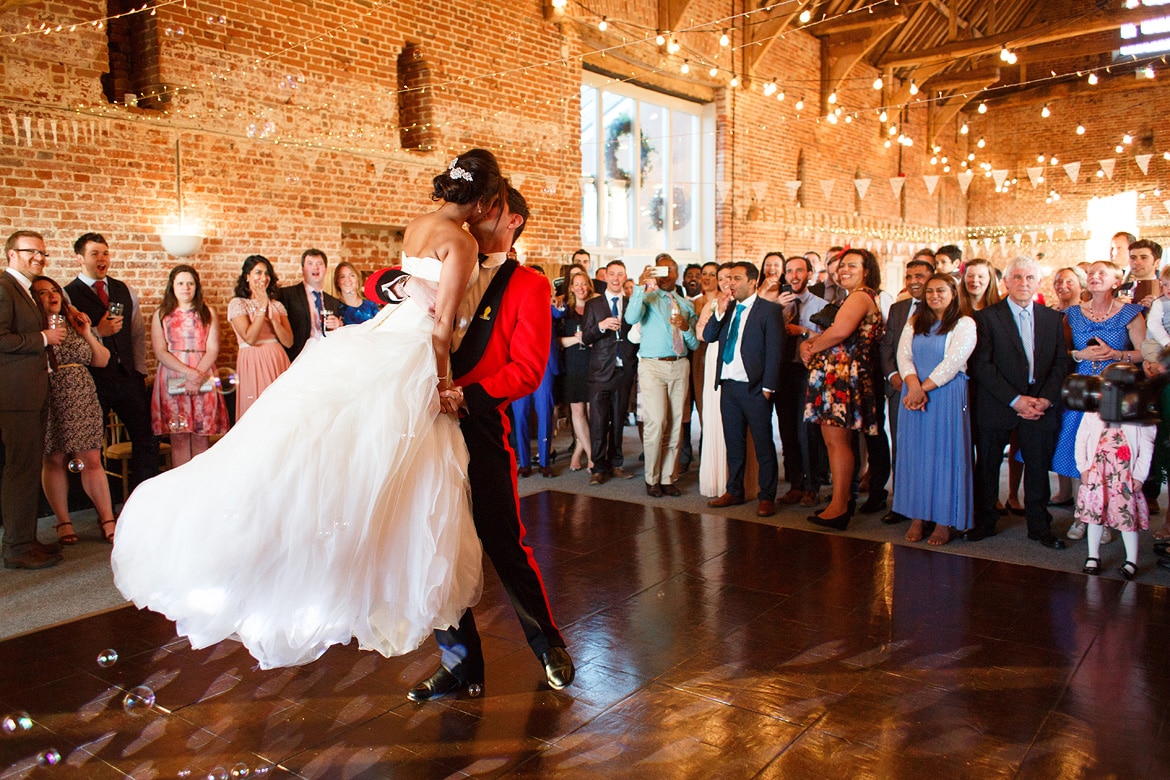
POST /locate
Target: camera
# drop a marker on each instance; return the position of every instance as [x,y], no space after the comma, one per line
[1120,394]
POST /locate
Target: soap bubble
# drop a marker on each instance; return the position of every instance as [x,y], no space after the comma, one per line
[225,381]
[179,424]
[107,658]
[16,722]
[76,466]
[48,757]
[240,770]
[138,701]
[217,773]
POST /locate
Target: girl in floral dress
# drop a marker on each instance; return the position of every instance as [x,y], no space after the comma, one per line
[1114,461]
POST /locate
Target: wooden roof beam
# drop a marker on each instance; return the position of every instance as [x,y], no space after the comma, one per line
[848,43]
[761,35]
[1047,32]
[963,81]
[940,114]
[670,13]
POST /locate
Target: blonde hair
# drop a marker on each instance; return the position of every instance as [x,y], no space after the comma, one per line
[570,296]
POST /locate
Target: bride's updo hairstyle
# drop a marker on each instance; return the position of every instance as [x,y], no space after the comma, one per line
[472,177]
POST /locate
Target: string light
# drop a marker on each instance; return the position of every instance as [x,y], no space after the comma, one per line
[913,87]
[1080,129]
[1007,56]
[713,72]
[982,108]
[980,143]
[686,68]
[1127,139]
[832,98]
[770,89]
[1041,158]
[603,25]
[1044,112]
[832,118]
[660,39]
[780,95]
[800,104]
[805,15]
[672,46]
[878,83]
[883,117]
[963,130]
[1092,79]
[734,82]
[1148,71]
[725,39]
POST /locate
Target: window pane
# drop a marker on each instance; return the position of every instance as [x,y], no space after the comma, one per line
[685,175]
[618,121]
[590,153]
[652,209]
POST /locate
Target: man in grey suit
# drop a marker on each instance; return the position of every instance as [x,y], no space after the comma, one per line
[24,401]
[918,271]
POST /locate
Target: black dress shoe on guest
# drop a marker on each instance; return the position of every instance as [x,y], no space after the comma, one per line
[893,518]
[671,490]
[546,471]
[979,533]
[442,683]
[524,471]
[1048,540]
[654,491]
[558,668]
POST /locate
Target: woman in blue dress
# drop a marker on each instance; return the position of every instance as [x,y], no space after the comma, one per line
[932,481]
[354,308]
[1104,331]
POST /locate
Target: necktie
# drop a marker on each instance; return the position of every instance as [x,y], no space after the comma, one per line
[1028,338]
[320,311]
[790,342]
[613,306]
[99,287]
[733,336]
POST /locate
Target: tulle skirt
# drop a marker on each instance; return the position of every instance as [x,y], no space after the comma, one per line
[338,507]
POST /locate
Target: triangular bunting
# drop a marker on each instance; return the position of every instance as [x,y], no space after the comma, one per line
[721,188]
[518,180]
[1147,212]
[862,186]
[1166,203]
[28,131]
[793,187]
[550,185]
[1033,235]
[1050,232]
[53,126]
[896,185]
[15,128]
[73,129]
[1016,238]
[1073,170]
[1143,161]
[999,175]
[827,187]
[1107,166]
[379,167]
[987,243]
[931,182]
[1002,243]
[1035,175]
[760,188]
[965,180]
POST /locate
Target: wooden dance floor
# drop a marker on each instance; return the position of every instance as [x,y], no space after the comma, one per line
[705,647]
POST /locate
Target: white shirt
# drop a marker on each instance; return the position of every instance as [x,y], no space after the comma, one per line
[735,370]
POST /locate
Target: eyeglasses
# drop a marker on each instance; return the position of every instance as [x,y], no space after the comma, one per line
[44,255]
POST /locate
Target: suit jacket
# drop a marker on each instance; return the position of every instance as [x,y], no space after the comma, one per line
[604,347]
[24,370]
[122,346]
[895,323]
[761,340]
[1000,367]
[516,353]
[299,319]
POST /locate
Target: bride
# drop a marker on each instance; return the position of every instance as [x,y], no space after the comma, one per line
[338,507]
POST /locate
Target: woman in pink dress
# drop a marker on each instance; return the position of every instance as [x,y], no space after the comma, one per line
[185,336]
[261,325]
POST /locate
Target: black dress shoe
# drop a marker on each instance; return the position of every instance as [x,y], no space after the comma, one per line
[979,533]
[893,518]
[1048,540]
[558,668]
[671,490]
[654,491]
[442,683]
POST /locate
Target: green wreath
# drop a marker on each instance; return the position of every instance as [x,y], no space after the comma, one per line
[680,213]
[623,126]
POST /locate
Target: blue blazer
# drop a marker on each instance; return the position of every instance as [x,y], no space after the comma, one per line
[761,342]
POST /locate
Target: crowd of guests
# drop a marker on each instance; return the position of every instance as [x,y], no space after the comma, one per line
[960,362]
[69,356]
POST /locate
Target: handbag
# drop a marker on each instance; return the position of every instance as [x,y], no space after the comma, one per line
[178,386]
[823,319]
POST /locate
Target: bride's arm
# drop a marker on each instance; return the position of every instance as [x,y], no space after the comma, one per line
[458,263]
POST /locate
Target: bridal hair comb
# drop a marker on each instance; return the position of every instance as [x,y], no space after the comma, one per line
[458,173]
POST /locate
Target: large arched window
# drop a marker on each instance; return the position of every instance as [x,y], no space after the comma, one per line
[647,167]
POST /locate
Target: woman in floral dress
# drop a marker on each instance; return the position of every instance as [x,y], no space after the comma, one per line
[841,395]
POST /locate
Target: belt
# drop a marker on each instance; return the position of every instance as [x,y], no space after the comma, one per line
[70,365]
[668,359]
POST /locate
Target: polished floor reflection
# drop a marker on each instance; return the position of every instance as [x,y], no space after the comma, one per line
[706,647]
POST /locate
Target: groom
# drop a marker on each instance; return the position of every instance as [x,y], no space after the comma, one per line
[502,358]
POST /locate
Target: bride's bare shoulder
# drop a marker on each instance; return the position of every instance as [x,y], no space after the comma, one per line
[434,236]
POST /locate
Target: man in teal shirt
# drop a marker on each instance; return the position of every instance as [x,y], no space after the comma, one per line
[668,334]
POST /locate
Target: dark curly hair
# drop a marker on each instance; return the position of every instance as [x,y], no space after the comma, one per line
[250,262]
[869,264]
[486,185]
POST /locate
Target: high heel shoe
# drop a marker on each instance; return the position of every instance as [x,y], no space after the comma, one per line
[108,534]
[838,523]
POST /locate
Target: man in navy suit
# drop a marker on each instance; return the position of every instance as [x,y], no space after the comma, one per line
[750,338]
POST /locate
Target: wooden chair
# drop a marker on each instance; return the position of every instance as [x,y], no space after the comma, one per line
[117,448]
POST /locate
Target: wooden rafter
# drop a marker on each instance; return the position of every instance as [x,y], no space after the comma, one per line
[761,35]
[670,13]
[847,40]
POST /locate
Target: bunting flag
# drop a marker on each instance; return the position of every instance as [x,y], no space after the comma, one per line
[379,167]
[721,188]
[1035,175]
[310,156]
[931,182]
[1143,161]
[1002,244]
[987,243]
[965,180]
[53,127]
[1166,203]
[1033,235]
[793,187]
[41,129]
[15,128]
[1107,166]
[1016,238]
[518,179]
[760,188]
[974,246]
[1073,170]
[896,185]
[28,131]
[999,175]
[550,185]
[827,187]
[862,186]
[1050,232]
[73,129]
[1147,212]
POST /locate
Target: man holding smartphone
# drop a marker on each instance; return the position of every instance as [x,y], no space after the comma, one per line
[112,307]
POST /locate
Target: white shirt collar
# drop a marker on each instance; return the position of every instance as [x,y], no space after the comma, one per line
[21,278]
[1017,308]
[89,280]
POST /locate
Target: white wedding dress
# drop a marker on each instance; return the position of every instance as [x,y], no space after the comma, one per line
[338,507]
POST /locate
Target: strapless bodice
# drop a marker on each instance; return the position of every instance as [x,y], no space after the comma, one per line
[422,267]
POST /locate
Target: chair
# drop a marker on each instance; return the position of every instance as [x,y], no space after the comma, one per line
[115,447]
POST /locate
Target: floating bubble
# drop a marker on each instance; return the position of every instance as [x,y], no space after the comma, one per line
[179,424]
[107,658]
[240,770]
[661,594]
[76,466]
[217,773]
[223,20]
[16,722]
[184,773]
[225,381]
[262,770]
[138,701]
[48,757]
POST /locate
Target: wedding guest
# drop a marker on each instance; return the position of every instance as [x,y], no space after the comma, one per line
[692,280]
[311,312]
[575,371]
[1139,285]
[1069,284]
[713,447]
[262,330]
[933,480]
[1103,331]
[354,308]
[185,336]
[541,402]
[771,276]
[948,259]
[613,365]
[1114,461]
[979,287]
[75,426]
[841,394]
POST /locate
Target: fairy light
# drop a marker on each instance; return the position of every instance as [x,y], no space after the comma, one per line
[770,89]
[800,104]
[1044,112]
[832,98]
[832,118]
[713,72]
[1041,158]
[734,82]
[780,95]
[805,15]
[883,117]
[981,143]
[963,129]
[1080,129]
[1092,79]
[1127,139]
[603,25]
[982,108]
[878,83]
[672,46]
[913,87]
[660,39]
[685,68]
[724,39]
